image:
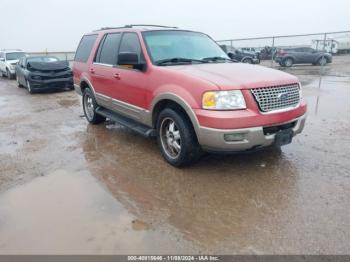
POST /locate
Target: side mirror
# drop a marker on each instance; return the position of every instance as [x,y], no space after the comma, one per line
[2,59]
[131,59]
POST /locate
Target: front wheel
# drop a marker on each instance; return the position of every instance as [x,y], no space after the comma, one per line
[89,106]
[18,83]
[29,87]
[177,139]
[9,75]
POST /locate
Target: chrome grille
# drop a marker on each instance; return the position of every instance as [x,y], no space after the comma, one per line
[277,97]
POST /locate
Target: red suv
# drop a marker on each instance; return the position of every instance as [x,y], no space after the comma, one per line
[181,87]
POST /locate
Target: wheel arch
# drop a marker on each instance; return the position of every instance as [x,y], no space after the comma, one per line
[174,102]
[85,83]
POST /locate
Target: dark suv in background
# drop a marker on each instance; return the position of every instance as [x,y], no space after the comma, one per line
[302,55]
[241,55]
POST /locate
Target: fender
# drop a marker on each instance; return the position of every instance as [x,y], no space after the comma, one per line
[180,101]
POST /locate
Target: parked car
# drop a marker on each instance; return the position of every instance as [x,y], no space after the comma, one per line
[302,55]
[240,55]
[8,61]
[181,87]
[253,50]
[267,53]
[40,73]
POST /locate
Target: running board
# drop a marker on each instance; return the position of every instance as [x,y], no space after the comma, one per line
[127,122]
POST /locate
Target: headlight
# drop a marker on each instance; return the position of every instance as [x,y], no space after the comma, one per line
[12,67]
[223,100]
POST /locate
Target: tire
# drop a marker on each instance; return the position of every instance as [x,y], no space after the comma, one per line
[176,138]
[89,106]
[288,62]
[9,75]
[19,85]
[29,87]
[247,61]
[322,61]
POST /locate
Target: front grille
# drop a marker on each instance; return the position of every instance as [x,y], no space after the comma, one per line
[55,77]
[276,97]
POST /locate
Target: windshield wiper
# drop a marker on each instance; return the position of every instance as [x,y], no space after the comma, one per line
[176,60]
[216,58]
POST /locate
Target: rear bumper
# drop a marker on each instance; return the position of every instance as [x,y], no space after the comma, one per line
[249,138]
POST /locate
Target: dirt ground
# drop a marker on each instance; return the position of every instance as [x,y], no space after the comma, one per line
[67,187]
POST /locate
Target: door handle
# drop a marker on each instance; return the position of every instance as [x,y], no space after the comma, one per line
[92,71]
[116,75]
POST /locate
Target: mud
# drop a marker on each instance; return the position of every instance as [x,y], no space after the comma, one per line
[67,187]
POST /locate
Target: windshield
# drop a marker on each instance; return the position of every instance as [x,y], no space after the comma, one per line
[14,56]
[42,59]
[163,45]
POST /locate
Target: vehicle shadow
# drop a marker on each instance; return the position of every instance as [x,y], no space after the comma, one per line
[219,199]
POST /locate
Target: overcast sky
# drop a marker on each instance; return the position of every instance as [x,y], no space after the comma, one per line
[34,25]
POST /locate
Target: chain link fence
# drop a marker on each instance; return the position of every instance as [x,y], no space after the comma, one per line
[69,56]
[310,54]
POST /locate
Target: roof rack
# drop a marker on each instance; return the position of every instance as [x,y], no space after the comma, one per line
[134,25]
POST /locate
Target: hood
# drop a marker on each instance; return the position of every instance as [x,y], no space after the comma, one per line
[48,66]
[236,75]
[12,62]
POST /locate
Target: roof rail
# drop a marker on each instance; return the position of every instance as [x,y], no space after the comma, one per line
[131,26]
[109,28]
[163,26]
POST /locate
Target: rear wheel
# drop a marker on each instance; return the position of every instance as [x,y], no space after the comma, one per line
[288,62]
[89,106]
[322,61]
[247,61]
[177,139]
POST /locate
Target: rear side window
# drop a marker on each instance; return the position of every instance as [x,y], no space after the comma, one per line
[130,43]
[108,49]
[84,49]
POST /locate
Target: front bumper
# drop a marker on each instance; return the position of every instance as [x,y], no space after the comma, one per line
[52,84]
[12,71]
[252,138]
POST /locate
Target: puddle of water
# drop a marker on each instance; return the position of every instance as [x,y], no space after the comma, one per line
[69,214]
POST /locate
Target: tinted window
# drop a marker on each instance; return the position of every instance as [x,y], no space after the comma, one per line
[108,49]
[84,48]
[130,43]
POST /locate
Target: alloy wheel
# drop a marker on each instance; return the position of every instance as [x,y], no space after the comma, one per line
[89,107]
[29,87]
[170,138]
